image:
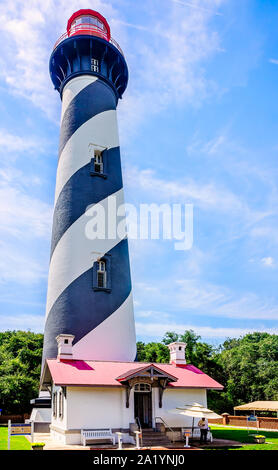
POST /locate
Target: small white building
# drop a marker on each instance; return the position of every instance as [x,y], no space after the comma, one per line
[118,395]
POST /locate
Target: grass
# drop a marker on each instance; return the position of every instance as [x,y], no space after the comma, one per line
[243,437]
[17,442]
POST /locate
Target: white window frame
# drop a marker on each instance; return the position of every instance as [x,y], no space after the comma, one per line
[61,404]
[101,269]
[142,387]
[55,404]
[98,160]
[94,65]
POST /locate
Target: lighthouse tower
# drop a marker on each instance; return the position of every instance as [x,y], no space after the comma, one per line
[89,286]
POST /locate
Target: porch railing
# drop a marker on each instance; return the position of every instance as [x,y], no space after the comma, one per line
[166,426]
[88,29]
[140,429]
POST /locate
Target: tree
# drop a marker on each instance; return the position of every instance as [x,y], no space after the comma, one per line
[20,361]
[251,367]
[247,367]
[152,352]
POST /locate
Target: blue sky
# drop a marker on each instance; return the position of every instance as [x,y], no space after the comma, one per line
[198,124]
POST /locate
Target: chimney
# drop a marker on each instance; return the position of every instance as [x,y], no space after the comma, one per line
[177,353]
[64,343]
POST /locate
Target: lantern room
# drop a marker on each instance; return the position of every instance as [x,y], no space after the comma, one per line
[88,22]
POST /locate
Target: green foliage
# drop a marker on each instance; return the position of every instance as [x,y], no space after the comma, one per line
[20,361]
[243,436]
[152,352]
[250,364]
[247,366]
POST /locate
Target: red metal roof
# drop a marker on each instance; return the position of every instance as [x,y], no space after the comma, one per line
[89,12]
[98,373]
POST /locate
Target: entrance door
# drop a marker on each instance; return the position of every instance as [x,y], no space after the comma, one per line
[143,408]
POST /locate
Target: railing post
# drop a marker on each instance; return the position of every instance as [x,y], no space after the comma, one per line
[9,434]
[225,418]
[119,434]
[137,439]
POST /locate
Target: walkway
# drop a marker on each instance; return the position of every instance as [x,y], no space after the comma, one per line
[50,444]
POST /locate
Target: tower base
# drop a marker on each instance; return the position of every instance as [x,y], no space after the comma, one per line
[41,413]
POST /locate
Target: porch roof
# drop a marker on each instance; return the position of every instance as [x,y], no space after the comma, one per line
[141,370]
[108,373]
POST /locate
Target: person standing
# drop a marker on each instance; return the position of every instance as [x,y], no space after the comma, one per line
[203,426]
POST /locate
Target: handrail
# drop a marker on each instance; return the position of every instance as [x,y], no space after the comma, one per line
[88,29]
[166,426]
[140,429]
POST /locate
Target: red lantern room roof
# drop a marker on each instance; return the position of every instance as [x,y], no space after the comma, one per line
[92,13]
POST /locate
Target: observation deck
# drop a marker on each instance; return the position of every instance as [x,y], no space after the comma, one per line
[87,29]
[87,48]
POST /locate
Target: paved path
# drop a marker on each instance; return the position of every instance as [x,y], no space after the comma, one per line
[50,444]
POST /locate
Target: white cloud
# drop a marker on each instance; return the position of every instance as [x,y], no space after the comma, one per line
[268,261]
[14,143]
[209,196]
[29,31]
[165,64]
[198,7]
[25,223]
[19,267]
[204,299]
[157,330]
[22,322]
[22,215]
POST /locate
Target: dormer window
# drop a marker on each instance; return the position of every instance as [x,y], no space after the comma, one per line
[66,341]
[101,274]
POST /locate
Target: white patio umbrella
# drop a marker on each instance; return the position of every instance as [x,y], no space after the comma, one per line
[195,410]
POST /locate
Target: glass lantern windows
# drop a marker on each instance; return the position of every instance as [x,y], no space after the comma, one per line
[89,20]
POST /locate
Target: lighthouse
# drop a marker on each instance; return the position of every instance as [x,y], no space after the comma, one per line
[89,286]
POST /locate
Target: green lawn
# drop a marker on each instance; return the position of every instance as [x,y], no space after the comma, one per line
[17,442]
[243,437]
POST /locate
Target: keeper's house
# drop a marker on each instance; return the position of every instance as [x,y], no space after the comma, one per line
[100,395]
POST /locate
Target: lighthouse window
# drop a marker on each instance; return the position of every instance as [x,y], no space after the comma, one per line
[101,274]
[98,165]
[89,20]
[94,65]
